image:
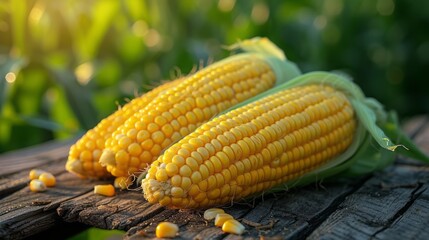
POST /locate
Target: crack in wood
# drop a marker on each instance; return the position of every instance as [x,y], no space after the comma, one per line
[414,195]
[317,220]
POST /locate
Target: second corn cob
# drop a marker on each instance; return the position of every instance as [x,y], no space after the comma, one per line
[180,110]
[310,127]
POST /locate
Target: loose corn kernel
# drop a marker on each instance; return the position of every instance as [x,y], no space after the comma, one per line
[166,230]
[48,179]
[105,190]
[37,186]
[122,182]
[233,226]
[211,213]
[35,173]
[221,218]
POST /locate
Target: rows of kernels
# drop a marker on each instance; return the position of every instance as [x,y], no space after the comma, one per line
[219,129]
[181,110]
[85,153]
[292,142]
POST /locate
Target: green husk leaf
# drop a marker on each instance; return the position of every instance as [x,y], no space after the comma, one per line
[393,131]
[259,45]
[264,49]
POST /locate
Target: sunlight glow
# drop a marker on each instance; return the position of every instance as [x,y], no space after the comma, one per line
[140,28]
[10,77]
[333,7]
[152,38]
[260,13]
[385,7]
[84,73]
[226,5]
[36,13]
[320,22]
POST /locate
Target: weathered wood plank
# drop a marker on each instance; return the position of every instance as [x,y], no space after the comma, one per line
[21,210]
[413,222]
[299,211]
[126,209]
[32,157]
[373,207]
[289,213]
[19,180]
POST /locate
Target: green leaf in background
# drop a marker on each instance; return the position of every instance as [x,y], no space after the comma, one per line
[61,115]
[379,43]
[9,68]
[102,14]
[78,97]
[18,12]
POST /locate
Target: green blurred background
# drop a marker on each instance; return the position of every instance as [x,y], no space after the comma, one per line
[64,65]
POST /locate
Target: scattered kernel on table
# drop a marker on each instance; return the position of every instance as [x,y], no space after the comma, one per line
[166,230]
[233,226]
[35,173]
[37,186]
[105,190]
[48,179]
[211,213]
[221,218]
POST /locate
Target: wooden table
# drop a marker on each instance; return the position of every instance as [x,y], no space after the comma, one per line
[392,204]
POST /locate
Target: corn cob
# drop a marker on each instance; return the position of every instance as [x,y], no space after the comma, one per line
[85,153]
[307,128]
[180,110]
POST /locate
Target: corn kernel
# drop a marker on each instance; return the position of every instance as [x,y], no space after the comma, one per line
[37,186]
[35,173]
[105,190]
[233,226]
[221,218]
[48,179]
[166,230]
[211,213]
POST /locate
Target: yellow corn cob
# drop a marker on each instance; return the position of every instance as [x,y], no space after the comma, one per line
[180,110]
[85,153]
[250,149]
